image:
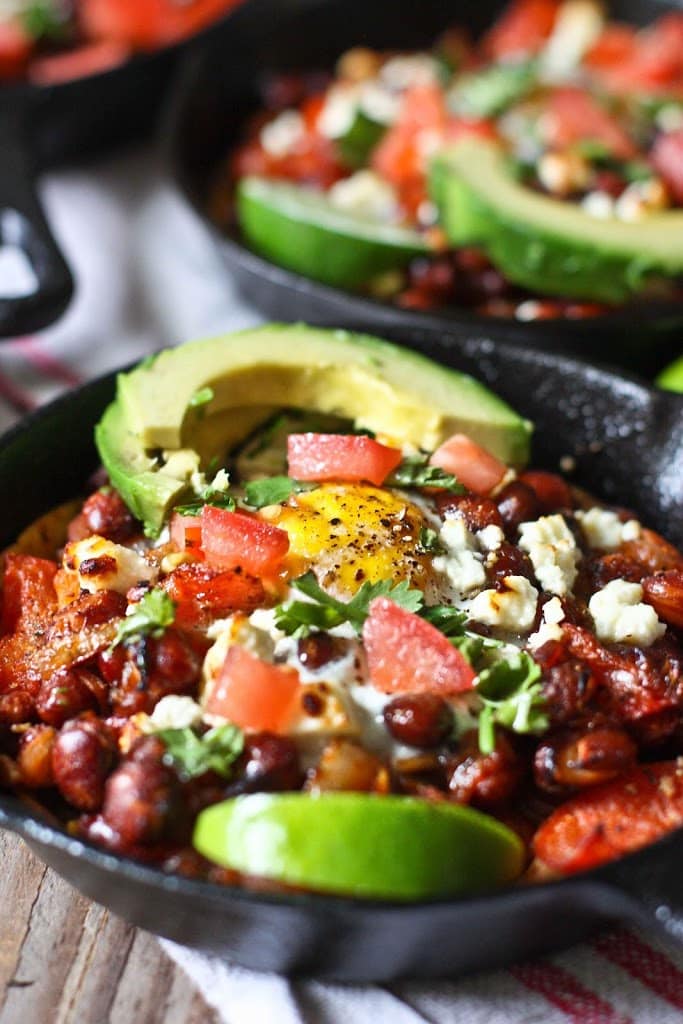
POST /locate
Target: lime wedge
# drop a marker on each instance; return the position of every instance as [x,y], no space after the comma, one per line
[298,228]
[356,844]
[672,377]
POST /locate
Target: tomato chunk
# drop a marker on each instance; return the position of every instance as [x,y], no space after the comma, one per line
[612,819]
[340,457]
[552,491]
[406,654]
[203,594]
[254,694]
[522,28]
[148,23]
[474,467]
[15,48]
[28,591]
[88,59]
[573,115]
[186,532]
[232,539]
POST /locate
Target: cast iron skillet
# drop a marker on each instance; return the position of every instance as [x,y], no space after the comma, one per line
[628,443]
[41,126]
[220,90]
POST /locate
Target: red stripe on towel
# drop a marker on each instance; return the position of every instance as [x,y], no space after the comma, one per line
[33,352]
[568,994]
[644,963]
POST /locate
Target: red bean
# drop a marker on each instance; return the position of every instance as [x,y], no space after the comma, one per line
[665,593]
[316,650]
[81,759]
[143,797]
[419,719]
[67,693]
[35,757]
[269,762]
[576,759]
[478,513]
[551,490]
[517,503]
[16,707]
[106,514]
[509,560]
[483,779]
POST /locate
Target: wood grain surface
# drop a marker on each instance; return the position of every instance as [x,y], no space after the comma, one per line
[65,960]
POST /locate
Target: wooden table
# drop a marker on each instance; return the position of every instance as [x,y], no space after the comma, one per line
[64,960]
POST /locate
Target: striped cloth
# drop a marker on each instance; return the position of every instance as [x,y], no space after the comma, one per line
[148,276]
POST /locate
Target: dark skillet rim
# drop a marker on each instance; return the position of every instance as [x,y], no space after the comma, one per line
[32,827]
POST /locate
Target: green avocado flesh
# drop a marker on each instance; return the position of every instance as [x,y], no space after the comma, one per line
[547,244]
[672,377]
[301,230]
[386,847]
[148,437]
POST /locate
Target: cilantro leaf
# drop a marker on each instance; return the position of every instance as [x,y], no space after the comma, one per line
[449,620]
[215,493]
[273,490]
[324,611]
[513,697]
[151,616]
[44,19]
[429,541]
[415,471]
[215,751]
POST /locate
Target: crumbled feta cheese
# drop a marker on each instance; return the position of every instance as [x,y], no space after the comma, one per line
[577,26]
[404,72]
[620,616]
[365,195]
[280,135]
[563,173]
[103,565]
[325,711]
[339,111]
[604,529]
[598,204]
[175,712]
[513,609]
[462,563]
[490,538]
[641,198]
[379,103]
[553,552]
[549,629]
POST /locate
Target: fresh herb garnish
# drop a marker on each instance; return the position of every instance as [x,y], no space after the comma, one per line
[201,397]
[153,613]
[429,541]
[512,697]
[215,751]
[215,493]
[273,490]
[415,471]
[324,611]
[44,19]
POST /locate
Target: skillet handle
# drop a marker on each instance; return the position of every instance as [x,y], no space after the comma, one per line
[35,282]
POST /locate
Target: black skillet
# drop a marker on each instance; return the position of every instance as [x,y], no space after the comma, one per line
[220,91]
[628,443]
[43,126]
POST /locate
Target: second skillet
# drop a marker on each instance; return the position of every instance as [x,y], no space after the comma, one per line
[637,461]
[220,91]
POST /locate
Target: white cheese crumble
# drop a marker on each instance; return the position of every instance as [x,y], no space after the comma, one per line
[598,204]
[577,26]
[279,136]
[604,529]
[620,616]
[462,564]
[553,552]
[404,72]
[513,609]
[490,538]
[365,195]
[175,712]
[103,565]
[549,628]
[339,111]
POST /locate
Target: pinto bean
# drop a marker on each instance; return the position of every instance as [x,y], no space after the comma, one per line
[16,707]
[268,762]
[67,693]
[81,760]
[576,759]
[665,593]
[143,797]
[106,514]
[517,503]
[35,757]
[483,779]
[141,674]
[418,719]
[316,650]
[477,512]
[510,560]
[552,491]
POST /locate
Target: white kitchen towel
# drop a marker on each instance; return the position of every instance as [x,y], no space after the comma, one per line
[147,276]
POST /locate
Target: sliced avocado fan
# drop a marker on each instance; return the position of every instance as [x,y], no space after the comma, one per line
[188,407]
[549,245]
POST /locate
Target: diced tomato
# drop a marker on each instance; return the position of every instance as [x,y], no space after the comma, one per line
[28,591]
[552,491]
[573,115]
[253,693]
[15,48]
[667,158]
[612,819]
[653,63]
[474,467]
[615,44]
[234,539]
[340,457]
[186,532]
[203,594]
[313,161]
[522,29]
[406,654]
[89,59]
[146,24]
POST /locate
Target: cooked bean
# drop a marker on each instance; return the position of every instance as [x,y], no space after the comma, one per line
[268,762]
[35,756]
[81,759]
[143,797]
[483,779]
[316,650]
[16,707]
[517,503]
[576,759]
[346,766]
[106,514]
[552,491]
[477,512]
[418,719]
[67,693]
[665,593]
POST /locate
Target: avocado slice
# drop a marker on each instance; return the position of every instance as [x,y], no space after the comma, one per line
[547,244]
[359,844]
[300,229]
[156,432]
[358,142]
